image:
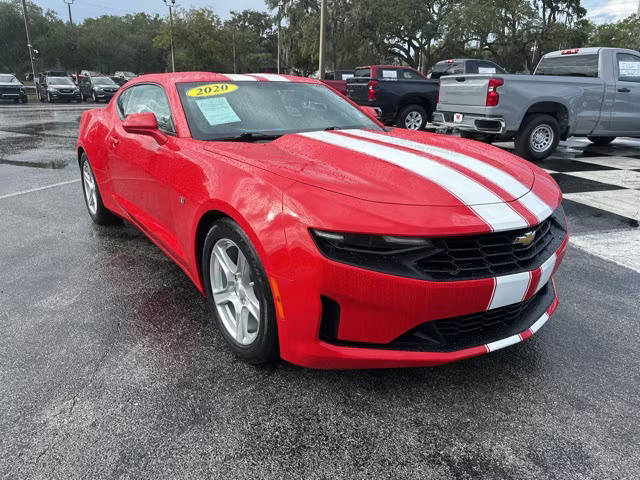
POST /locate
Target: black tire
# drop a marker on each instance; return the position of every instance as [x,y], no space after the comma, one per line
[264,348]
[17,100]
[40,97]
[529,129]
[24,100]
[411,112]
[601,140]
[102,215]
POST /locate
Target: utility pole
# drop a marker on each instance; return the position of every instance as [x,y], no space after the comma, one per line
[323,25]
[26,28]
[69,3]
[170,4]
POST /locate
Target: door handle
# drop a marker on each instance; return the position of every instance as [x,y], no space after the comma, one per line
[624,90]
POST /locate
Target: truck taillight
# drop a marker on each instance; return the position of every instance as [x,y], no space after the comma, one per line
[372,90]
[493,97]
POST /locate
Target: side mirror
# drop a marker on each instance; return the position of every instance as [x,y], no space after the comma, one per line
[372,112]
[144,123]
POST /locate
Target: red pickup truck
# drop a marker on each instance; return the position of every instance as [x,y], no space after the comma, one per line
[338,79]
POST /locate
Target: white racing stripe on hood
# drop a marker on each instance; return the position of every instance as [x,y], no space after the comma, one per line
[272,77]
[238,77]
[493,174]
[486,204]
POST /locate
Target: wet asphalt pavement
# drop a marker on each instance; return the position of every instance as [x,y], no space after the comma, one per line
[109,367]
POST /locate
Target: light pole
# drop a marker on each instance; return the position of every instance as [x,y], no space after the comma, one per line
[69,3]
[26,28]
[170,4]
[323,24]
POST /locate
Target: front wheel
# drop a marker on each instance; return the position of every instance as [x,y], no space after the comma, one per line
[601,140]
[239,294]
[538,137]
[413,117]
[97,211]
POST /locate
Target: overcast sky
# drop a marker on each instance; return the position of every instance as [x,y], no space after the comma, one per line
[598,10]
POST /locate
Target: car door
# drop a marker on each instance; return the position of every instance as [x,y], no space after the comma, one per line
[624,118]
[140,168]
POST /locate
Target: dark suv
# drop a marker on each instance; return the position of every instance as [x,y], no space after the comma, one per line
[12,89]
[97,88]
[52,86]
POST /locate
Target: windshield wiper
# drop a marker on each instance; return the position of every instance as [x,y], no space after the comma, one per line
[248,137]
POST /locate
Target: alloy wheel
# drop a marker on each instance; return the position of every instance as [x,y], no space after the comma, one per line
[235,292]
[541,138]
[90,191]
[413,120]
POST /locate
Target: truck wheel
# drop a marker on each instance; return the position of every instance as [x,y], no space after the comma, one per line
[413,117]
[538,137]
[601,140]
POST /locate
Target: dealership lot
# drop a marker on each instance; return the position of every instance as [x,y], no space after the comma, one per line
[108,368]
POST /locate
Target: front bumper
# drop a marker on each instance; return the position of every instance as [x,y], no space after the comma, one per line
[470,123]
[104,95]
[64,95]
[375,310]
[13,95]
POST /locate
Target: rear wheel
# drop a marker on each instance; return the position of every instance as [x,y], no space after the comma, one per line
[239,294]
[538,137]
[97,211]
[413,117]
[601,140]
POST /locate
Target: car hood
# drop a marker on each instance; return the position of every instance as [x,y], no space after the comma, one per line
[400,166]
[11,84]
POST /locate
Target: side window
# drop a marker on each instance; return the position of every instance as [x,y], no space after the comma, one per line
[123,98]
[471,66]
[149,98]
[628,67]
[388,73]
[410,75]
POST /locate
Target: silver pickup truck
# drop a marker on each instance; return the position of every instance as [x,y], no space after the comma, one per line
[586,92]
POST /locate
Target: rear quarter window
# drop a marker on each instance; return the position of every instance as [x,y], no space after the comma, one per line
[569,66]
[628,67]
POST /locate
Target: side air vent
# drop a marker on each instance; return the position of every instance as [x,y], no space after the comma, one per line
[330,320]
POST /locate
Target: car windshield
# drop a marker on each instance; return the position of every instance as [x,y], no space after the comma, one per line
[128,74]
[59,81]
[8,79]
[103,81]
[226,110]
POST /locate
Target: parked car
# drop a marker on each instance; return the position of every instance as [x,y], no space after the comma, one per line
[318,235]
[460,66]
[51,88]
[97,88]
[12,89]
[338,79]
[404,96]
[122,77]
[584,92]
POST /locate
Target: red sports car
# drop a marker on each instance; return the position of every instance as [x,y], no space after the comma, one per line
[317,234]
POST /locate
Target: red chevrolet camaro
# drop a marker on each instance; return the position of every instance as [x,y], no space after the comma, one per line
[317,234]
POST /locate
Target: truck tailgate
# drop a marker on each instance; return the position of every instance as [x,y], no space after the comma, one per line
[470,90]
[358,88]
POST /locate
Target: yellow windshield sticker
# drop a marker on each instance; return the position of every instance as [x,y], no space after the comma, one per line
[212,89]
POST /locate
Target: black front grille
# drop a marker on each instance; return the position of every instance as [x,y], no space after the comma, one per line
[9,89]
[491,255]
[466,331]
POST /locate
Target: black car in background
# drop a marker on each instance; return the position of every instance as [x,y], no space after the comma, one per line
[122,77]
[97,88]
[55,86]
[12,89]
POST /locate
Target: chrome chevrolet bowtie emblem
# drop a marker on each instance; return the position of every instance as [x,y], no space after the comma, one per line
[525,240]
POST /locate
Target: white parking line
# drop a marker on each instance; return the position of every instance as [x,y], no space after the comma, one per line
[618,246]
[32,190]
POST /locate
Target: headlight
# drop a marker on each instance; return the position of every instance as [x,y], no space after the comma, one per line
[384,253]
